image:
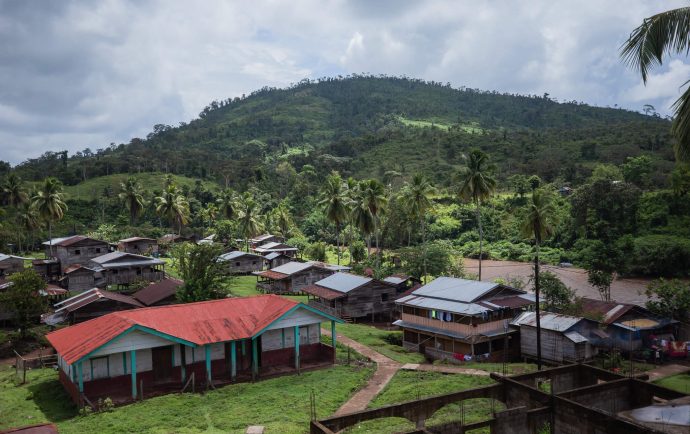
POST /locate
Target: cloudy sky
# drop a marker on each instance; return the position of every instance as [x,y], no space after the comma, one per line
[77,74]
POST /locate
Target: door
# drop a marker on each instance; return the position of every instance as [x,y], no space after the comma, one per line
[162,361]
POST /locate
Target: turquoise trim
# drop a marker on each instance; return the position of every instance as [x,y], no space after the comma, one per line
[333,335]
[143,329]
[133,363]
[294,308]
[207,347]
[296,328]
[233,360]
[81,377]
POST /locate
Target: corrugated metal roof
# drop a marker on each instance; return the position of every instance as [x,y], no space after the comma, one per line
[261,238]
[293,267]
[446,305]
[87,297]
[270,274]
[575,337]
[610,311]
[548,320]
[133,239]
[235,254]
[343,282]
[4,256]
[411,325]
[158,291]
[455,289]
[107,260]
[68,241]
[200,323]
[273,246]
[320,291]
[272,256]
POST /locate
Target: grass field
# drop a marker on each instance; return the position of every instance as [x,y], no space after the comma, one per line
[680,382]
[376,339]
[409,385]
[280,404]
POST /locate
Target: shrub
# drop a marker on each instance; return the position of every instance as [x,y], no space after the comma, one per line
[660,255]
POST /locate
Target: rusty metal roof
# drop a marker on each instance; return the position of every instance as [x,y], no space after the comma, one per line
[199,323]
[158,291]
[321,292]
[69,241]
[270,274]
[133,239]
[610,311]
[92,295]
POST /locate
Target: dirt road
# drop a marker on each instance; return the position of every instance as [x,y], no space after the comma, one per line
[626,290]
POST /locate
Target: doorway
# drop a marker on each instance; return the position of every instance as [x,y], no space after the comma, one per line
[162,363]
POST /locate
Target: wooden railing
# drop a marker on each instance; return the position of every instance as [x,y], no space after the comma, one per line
[465,329]
[124,278]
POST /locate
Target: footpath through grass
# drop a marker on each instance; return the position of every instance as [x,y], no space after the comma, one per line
[410,385]
[382,341]
[281,404]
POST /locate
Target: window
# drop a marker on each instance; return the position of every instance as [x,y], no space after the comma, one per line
[384,297]
[253,262]
[237,264]
[98,250]
[77,252]
[138,271]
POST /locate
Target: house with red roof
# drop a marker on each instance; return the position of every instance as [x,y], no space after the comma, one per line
[155,350]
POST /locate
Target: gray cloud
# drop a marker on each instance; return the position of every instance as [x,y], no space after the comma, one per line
[83,74]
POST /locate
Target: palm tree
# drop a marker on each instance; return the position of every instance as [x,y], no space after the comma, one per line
[666,33]
[373,196]
[335,205]
[538,224]
[249,218]
[50,205]
[416,198]
[132,198]
[29,220]
[173,206]
[364,221]
[477,184]
[283,220]
[227,204]
[13,193]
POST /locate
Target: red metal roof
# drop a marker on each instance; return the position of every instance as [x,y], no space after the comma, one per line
[158,291]
[200,323]
[610,311]
[320,291]
[274,275]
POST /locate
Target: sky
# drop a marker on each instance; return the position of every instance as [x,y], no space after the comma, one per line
[84,74]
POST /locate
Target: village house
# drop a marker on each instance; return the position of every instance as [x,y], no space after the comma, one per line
[457,319]
[239,262]
[352,297]
[157,350]
[120,268]
[274,247]
[159,293]
[564,338]
[265,238]
[76,249]
[402,282]
[89,304]
[10,264]
[629,327]
[48,269]
[79,278]
[138,245]
[293,277]
[274,260]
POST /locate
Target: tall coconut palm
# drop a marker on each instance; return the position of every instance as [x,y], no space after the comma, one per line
[29,220]
[416,197]
[335,205]
[12,191]
[283,220]
[50,205]
[227,204]
[351,193]
[373,196]
[477,184]
[364,221]
[173,206]
[538,224]
[131,195]
[666,33]
[249,218]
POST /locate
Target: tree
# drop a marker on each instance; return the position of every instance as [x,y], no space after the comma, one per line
[373,196]
[335,205]
[538,224]
[204,276]
[29,220]
[317,251]
[477,184]
[357,251]
[638,170]
[23,298]
[132,198]
[436,259]
[606,172]
[416,197]
[520,184]
[666,33]
[173,206]
[669,298]
[601,280]
[12,191]
[283,220]
[680,180]
[50,204]
[555,294]
[227,204]
[249,218]
[364,221]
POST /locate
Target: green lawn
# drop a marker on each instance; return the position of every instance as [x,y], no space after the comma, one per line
[375,339]
[680,382]
[280,404]
[511,368]
[409,385]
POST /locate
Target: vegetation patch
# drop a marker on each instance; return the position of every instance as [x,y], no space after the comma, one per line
[380,341]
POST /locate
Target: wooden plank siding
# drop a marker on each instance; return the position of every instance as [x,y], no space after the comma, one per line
[374,299]
[245,265]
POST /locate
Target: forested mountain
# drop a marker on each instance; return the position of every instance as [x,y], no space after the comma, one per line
[375,127]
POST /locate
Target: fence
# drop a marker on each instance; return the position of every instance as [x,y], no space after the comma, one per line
[22,364]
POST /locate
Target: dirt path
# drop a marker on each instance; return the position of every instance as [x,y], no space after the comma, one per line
[444,369]
[385,370]
[624,290]
[666,371]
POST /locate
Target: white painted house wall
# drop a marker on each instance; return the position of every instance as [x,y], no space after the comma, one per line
[273,339]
